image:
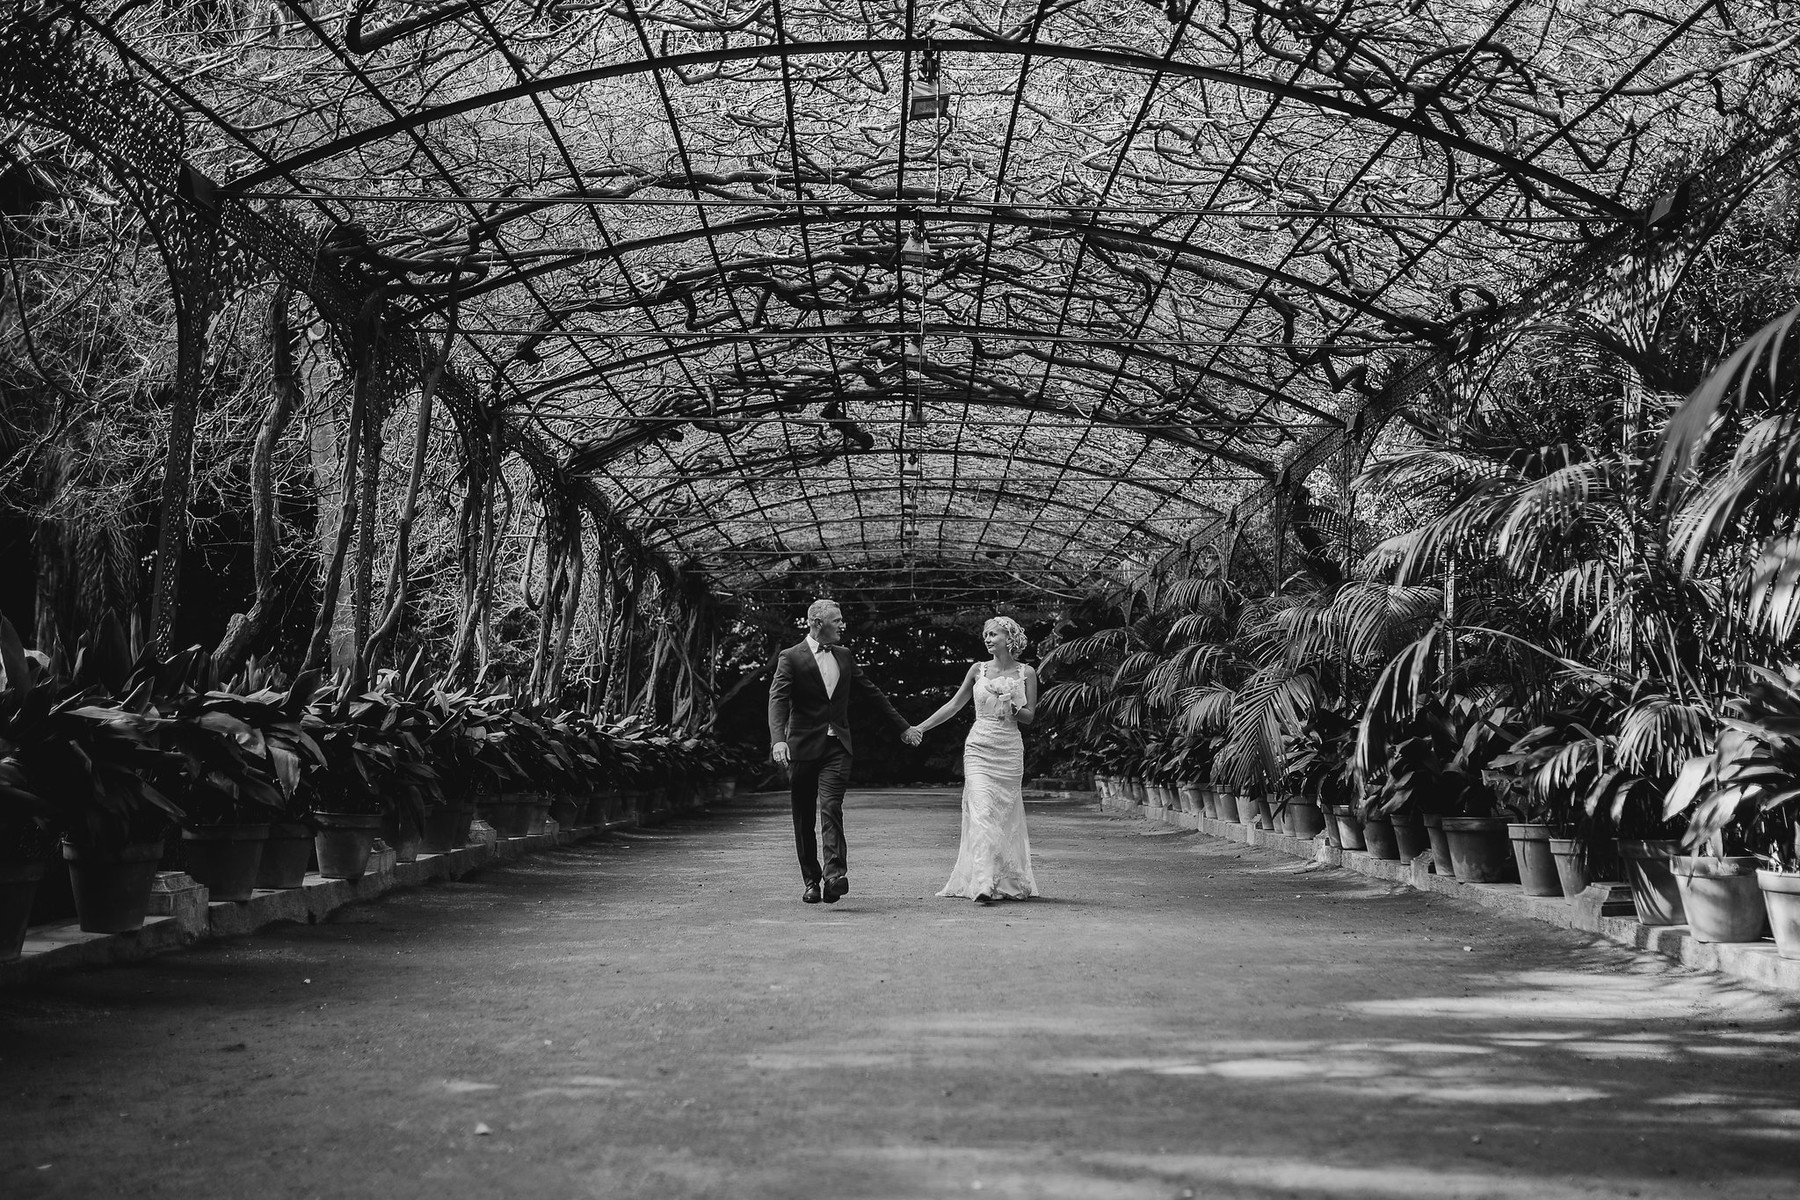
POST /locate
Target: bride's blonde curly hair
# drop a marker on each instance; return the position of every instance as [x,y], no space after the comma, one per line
[1014,632]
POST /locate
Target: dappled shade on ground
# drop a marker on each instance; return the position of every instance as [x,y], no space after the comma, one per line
[657,1014]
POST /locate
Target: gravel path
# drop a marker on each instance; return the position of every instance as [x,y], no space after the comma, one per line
[657,1015]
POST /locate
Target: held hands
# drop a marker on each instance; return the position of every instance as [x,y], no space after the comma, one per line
[913,735]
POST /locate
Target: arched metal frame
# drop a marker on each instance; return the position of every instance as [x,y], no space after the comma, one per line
[1242,315]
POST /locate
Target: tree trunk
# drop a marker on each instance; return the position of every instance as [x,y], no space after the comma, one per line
[398,569]
[247,632]
[368,506]
[479,554]
[363,355]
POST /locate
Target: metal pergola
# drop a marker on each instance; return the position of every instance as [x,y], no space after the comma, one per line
[1054,283]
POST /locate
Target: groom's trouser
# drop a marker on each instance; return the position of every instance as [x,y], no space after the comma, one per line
[817,788]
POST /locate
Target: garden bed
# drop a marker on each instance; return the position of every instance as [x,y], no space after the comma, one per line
[1754,962]
[183,913]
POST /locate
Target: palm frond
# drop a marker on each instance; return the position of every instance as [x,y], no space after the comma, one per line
[1192,626]
[1395,697]
[1088,647]
[1206,593]
[1759,478]
[1070,699]
[1659,734]
[1691,429]
[1372,617]
[1273,705]
[1772,602]
[1206,709]
[1134,666]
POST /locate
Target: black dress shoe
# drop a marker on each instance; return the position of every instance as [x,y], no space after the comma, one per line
[835,888]
[811,894]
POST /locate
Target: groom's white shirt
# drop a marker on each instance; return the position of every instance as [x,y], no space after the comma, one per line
[826,662]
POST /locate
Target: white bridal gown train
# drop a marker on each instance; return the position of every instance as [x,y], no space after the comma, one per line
[995,856]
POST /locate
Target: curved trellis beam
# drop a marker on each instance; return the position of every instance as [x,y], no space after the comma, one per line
[213,243]
[1083,514]
[1631,269]
[770,470]
[1597,203]
[892,330]
[938,551]
[636,435]
[1113,237]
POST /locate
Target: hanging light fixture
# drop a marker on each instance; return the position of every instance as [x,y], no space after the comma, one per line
[930,99]
[916,251]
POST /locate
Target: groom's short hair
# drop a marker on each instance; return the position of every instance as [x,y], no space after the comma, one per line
[818,608]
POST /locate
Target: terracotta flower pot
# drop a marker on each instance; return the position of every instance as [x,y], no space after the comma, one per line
[18,886]
[1304,817]
[400,831]
[344,842]
[1440,845]
[285,856]
[1328,816]
[1409,835]
[225,859]
[112,884]
[1781,896]
[1350,833]
[1378,837]
[1531,853]
[508,812]
[1480,849]
[1245,806]
[1721,898]
[446,827]
[1652,880]
[1571,867]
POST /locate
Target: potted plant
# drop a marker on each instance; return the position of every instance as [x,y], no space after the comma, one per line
[1435,764]
[27,818]
[1743,797]
[372,761]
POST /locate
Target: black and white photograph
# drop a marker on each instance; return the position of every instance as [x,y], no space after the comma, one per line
[900,599]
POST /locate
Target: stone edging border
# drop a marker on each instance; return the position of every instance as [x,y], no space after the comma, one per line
[1753,962]
[182,913]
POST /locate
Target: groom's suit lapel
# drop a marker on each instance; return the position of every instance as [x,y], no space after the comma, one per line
[811,666]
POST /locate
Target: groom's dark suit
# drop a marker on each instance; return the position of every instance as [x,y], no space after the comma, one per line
[816,728]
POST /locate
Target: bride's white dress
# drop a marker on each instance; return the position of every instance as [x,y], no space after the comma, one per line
[995,856]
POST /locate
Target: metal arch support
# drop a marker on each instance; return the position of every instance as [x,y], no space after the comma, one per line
[1035,49]
[725,470]
[998,495]
[597,456]
[1626,275]
[1109,234]
[899,548]
[212,243]
[48,81]
[876,330]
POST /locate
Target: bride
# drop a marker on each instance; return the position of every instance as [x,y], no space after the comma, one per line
[994,860]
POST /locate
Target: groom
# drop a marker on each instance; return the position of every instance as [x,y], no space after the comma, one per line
[809,726]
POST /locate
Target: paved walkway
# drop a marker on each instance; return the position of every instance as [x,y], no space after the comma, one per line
[657,1015]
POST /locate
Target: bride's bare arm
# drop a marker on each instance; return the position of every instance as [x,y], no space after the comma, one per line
[1025,712]
[952,704]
